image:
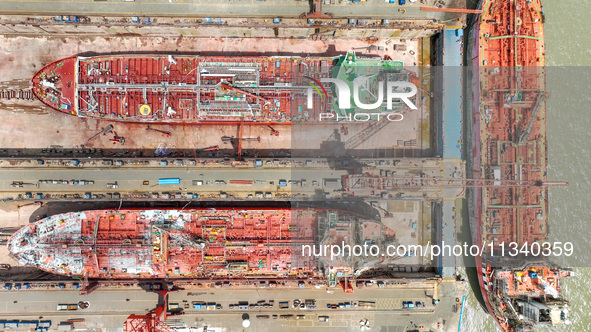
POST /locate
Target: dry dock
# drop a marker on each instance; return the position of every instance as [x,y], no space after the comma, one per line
[406,181]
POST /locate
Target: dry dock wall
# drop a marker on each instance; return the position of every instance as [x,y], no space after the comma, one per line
[49,28]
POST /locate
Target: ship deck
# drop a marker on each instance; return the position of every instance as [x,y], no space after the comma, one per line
[155,88]
[535,281]
[510,135]
[513,116]
[194,89]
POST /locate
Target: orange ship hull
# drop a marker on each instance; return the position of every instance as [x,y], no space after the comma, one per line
[509,135]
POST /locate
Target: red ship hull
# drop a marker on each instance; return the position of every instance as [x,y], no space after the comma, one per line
[170,243]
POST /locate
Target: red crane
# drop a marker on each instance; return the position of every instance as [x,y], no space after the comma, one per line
[316,11]
[152,321]
[117,139]
[274,132]
[209,148]
[163,132]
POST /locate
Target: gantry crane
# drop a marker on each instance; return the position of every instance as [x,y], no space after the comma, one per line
[152,321]
[316,11]
[237,141]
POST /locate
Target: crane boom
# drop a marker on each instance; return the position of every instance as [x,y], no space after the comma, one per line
[233,88]
[367,181]
[541,97]
[240,130]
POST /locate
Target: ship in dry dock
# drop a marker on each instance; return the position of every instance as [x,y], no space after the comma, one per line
[209,89]
[521,291]
[195,244]
[205,243]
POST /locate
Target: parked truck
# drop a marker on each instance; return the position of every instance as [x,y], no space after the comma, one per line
[67,307]
[169,181]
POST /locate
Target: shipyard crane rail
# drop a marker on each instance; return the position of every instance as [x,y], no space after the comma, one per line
[361,182]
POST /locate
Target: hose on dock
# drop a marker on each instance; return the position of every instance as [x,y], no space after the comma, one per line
[461,312]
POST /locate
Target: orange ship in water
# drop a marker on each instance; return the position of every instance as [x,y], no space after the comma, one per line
[521,289]
[168,243]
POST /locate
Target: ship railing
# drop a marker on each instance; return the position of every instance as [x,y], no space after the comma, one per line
[229,105]
[246,71]
[217,218]
[225,112]
[240,244]
[229,64]
[270,244]
[231,69]
[156,87]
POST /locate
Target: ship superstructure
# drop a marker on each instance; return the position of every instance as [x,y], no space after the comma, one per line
[198,89]
[521,290]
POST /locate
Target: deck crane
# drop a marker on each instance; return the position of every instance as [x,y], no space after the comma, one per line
[233,88]
[541,97]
